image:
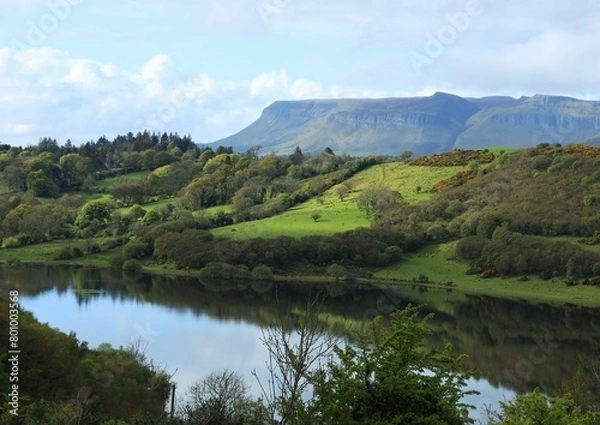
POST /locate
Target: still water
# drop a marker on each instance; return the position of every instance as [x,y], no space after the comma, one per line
[192,328]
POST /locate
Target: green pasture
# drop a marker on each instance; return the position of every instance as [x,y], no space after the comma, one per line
[108,183]
[48,251]
[339,216]
[437,263]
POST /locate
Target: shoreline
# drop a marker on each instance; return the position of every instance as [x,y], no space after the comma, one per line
[537,292]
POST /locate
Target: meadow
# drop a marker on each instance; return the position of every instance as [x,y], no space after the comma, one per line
[436,263]
[413,183]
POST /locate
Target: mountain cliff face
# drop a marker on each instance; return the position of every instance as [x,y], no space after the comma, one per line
[423,125]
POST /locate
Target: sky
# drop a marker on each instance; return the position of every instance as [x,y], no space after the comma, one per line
[82,69]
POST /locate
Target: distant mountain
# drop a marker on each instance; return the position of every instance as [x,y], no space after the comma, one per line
[423,125]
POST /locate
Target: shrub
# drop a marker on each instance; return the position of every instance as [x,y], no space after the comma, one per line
[540,162]
[150,217]
[393,252]
[596,269]
[218,271]
[92,247]
[436,232]
[63,254]
[337,271]
[262,272]
[115,242]
[11,242]
[117,261]
[136,212]
[136,250]
[13,262]
[68,252]
[132,266]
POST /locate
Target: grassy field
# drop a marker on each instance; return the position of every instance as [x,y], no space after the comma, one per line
[47,252]
[437,264]
[338,216]
[108,183]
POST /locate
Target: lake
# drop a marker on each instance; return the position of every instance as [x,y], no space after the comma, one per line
[192,328]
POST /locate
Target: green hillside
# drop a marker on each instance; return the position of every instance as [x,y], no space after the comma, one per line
[518,222]
[413,182]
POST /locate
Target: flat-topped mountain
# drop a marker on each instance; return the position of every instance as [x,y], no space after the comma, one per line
[423,125]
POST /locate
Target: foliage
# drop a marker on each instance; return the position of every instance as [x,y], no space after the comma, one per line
[516,254]
[337,271]
[389,376]
[454,158]
[136,249]
[65,382]
[129,193]
[224,271]
[222,399]
[11,242]
[132,266]
[117,261]
[39,184]
[94,215]
[536,408]
[262,272]
[191,248]
[69,252]
[376,200]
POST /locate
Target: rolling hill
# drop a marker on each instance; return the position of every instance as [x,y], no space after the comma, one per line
[423,125]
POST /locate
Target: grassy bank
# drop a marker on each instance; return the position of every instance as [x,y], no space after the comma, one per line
[434,262]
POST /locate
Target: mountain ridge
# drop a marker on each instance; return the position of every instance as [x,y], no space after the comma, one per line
[423,125]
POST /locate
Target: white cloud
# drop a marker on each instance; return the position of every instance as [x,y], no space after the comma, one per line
[84,74]
[306,89]
[15,128]
[270,84]
[310,49]
[81,99]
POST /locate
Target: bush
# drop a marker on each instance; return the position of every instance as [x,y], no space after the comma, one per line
[136,250]
[116,261]
[11,242]
[13,262]
[393,252]
[596,269]
[132,266]
[68,252]
[540,162]
[115,242]
[436,232]
[337,271]
[92,247]
[150,217]
[262,272]
[219,271]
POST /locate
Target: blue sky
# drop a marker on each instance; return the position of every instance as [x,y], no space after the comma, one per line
[80,69]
